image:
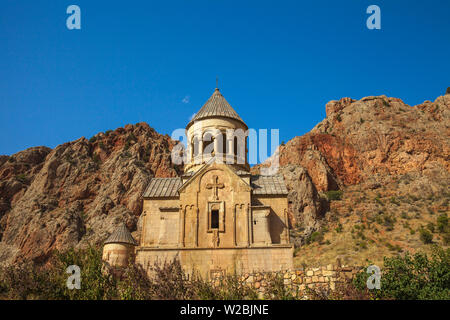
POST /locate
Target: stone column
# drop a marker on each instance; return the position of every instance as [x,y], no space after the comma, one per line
[234,226]
[230,157]
[249,226]
[182,225]
[196,227]
[286,222]
[200,153]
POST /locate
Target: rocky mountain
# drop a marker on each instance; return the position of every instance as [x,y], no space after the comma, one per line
[390,163]
[362,183]
[78,192]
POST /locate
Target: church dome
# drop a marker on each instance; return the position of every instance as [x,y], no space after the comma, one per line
[216,106]
[121,235]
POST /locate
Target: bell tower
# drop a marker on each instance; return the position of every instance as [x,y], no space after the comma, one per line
[216,133]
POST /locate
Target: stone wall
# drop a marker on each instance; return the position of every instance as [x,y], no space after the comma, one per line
[325,277]
[209,262]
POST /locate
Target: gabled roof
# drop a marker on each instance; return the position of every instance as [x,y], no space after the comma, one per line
[268,185]
[216,106]
[121,235]
[163,187]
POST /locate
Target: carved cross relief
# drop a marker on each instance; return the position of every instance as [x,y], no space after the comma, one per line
[216,186]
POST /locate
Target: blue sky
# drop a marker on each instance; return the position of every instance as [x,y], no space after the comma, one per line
[278,62]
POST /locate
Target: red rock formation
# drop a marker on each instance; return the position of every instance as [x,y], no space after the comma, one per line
[78,192]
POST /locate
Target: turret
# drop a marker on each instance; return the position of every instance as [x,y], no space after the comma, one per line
[119,247]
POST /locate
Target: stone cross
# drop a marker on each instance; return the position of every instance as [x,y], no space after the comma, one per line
[216,186]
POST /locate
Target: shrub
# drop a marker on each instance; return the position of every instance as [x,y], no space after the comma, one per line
[334,195]
[22,178]
[276,289]
[316,236]
[96,158]
[412,277]
[442,223]
[425,236]
[339,228]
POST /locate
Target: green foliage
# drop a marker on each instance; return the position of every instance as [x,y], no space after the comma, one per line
[389,222]
[95,284]
[334,195]
[93,139]
[415,277]
[276,289]
[339,228]
[28,280]
[96,158]
[425,236]
[442,223]
[394,201]
[315,237]
[22,178]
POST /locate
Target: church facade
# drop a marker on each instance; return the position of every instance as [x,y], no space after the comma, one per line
[216,217]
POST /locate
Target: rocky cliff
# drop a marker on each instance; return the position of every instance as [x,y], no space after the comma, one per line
[389,161]
[78,192]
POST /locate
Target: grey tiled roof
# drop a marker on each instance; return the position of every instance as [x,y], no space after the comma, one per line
[267,185]
[216,106]
[163,187]
[121,235]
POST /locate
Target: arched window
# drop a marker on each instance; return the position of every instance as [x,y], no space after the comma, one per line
[224,143]
[235,144]
[208,139]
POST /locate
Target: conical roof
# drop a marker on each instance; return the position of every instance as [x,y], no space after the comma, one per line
[216,106]
[121,235]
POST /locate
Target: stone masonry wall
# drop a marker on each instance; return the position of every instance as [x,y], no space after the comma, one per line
[325,277]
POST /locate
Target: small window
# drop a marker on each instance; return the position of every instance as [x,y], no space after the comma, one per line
[214,219]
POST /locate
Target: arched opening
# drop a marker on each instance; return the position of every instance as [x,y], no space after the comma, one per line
[208,140]
[224,143]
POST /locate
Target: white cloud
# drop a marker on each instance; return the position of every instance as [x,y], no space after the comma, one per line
[192,116]
[186,99]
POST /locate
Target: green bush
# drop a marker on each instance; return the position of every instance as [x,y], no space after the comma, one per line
[425,236]
[316,237]
[412,277]
[28,280]
[334,195]
[442,223]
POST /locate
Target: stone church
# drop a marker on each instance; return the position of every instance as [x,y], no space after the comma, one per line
[216,217]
